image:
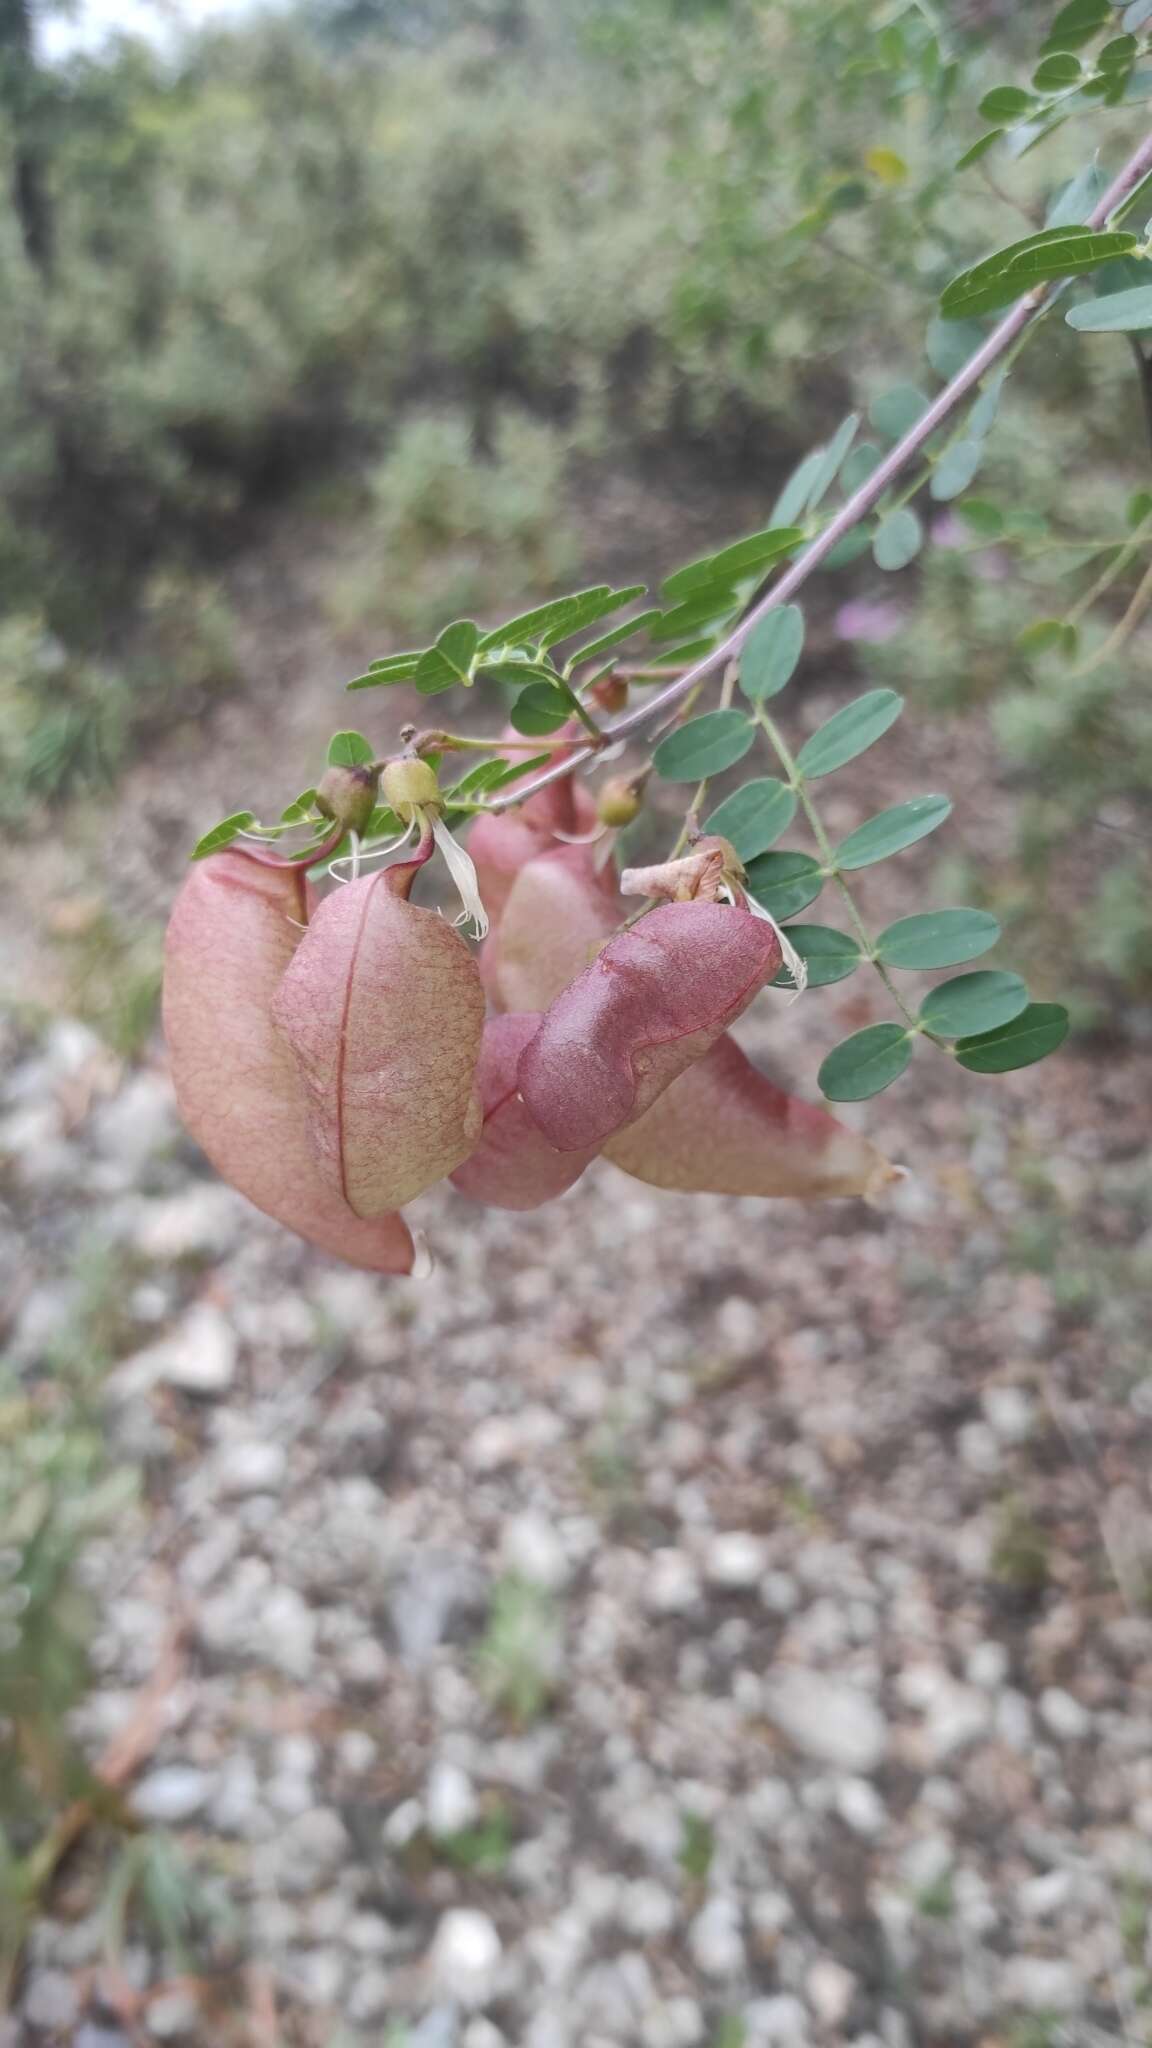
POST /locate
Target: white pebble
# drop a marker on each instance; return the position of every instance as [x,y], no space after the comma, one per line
[450,1802]
[166,1797]
[465,1956]
[1064,1715]
[531,1547]
[735,1561]
[671,1585]
[715,1939]
[826,1718]
[50,2000]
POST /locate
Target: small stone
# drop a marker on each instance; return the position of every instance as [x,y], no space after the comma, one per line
[480,2033]
[450,1802]
[465,1956]
[137,1123]
[50,2000]
[320,1974]
[167,1797]
[531,1547]
[172,2014]
[356,1752]
[827,1719]
[199,1358]
[671,1585]
[371,1995]
[251,1468]
[1010,1412]
[987,1666]
[439,2028]
[1063,1714]
[369,1934]
[860,1806]
[780,2022]
[200,1220]
[313,1847]
[831,1989]
[436,1591]
[714,1938]
[647,1909]
[510,1439]
[1043,1984]
[735,1561]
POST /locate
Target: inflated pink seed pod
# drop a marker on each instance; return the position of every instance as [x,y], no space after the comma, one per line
[233,931]
[725,1129]
[652,1002]
[513,1166]
[559,912]
[382,1006]
[501,845]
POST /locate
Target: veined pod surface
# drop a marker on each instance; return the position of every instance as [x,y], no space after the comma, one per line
[724,1128]
[502,844]
[383,1009]
[232,934]
[652,1002]
[513,1166]
[559,912]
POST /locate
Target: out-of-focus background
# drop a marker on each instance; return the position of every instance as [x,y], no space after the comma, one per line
[677,1621]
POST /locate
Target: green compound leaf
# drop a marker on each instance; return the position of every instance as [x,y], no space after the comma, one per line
[856,542]
[1037,1031]
[1077,23]
[350,750]
[982,417]
[1037,259]
[613,638]
[829,955]
[222,834]
[391,668]
[986,520]
[1005,103]
[450,661]
[892,830]
[1057,73]
[705,746]
[1043,636]
[785,882]
[564,615]
[827,469]
[706,609]
[956,469]
[861,463]
[539,709]
[299,808]
[1118,313]
[978,149]
[898,539]
[949,344]
[797,490]
[866,1063]
[849,732]
[771,653]
[937,938]
[895,411]
[973,1003]
[754,817]
[743,558]
[515,673]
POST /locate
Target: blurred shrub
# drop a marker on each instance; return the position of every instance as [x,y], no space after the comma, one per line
[66,719]
[450,531]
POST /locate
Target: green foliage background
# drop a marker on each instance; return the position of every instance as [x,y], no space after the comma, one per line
[450,254]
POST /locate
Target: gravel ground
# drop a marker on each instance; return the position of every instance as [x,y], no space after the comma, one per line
[674,1622]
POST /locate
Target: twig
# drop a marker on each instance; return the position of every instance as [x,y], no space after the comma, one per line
[1011,328]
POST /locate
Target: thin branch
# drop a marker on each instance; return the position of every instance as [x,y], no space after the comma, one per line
[1010,329]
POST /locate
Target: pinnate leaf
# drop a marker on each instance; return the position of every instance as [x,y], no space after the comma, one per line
[1037,1031]
[350,750]
[222,834]
[1037,259]
[937,938]
[973,1003]
[892,830]
[771,653]
[785,883]
[866,1063]
[705,746]
[828,954]
[754,817]
[849,732]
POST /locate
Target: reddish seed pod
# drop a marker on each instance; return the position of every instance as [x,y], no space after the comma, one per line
[233,932]
[559,911]
[513,1166]
[725,1129]
[652,1002]
[382,1006]
[503,844]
